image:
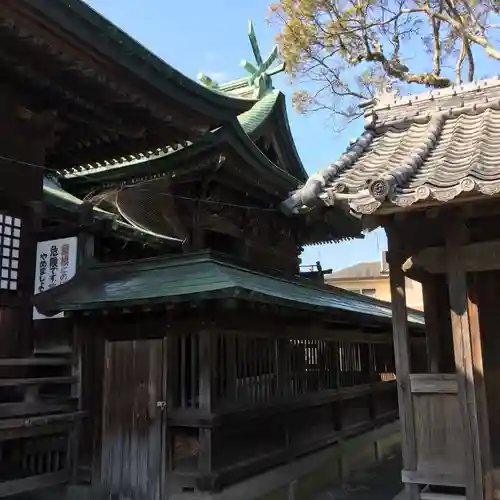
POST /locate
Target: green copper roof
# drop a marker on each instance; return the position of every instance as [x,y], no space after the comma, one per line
[257,115]
[203,276]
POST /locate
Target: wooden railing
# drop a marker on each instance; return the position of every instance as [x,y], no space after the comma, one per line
[273,399]
[39,421]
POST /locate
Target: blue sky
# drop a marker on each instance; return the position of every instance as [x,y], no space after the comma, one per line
[211,37]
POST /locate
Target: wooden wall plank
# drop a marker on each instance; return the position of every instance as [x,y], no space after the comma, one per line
[433,331]
[435,383]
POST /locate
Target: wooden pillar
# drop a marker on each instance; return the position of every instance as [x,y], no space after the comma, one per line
[86,240]
[480,387]
[23,139]
[206,362]
[456,236]
[402,356]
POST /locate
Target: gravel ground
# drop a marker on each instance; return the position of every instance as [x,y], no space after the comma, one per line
[380,482]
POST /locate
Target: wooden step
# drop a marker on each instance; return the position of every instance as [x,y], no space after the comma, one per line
[17,428]
[41,407]
[41,420]
[38,361]
[427,495]
[56,350]
[15,382]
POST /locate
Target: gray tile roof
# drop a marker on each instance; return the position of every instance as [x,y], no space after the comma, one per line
[433,146]
[358,271]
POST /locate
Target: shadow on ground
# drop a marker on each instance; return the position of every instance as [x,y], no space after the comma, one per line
[379,482]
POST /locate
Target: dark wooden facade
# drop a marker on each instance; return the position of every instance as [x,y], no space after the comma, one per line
[210,387]
[69,94]
[207,402]
[165,388]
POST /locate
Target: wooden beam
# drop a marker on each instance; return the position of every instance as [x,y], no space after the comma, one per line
[16,382]
[40,361]
[313,332]
[474,257]
[456,237]
[402,357]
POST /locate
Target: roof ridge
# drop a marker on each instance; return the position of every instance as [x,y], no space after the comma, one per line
[454,90]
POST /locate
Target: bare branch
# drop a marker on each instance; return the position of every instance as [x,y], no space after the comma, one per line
[346,49]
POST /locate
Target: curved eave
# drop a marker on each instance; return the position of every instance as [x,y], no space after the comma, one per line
[96,32]
[286,143]
[160,164]
[269,176]
[270,112]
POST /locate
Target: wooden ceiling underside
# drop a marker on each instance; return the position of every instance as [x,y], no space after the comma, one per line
[100,111]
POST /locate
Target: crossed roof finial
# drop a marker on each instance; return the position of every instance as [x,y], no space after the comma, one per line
[261,72]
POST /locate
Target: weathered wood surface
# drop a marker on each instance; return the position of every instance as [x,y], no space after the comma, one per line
[474,257]
[438,429]
[435,477]
[456,237]
[132,447]
[434,383]
[485,293]
[39,416]
[402,356]
[480,385]
[433,332]
[240,401]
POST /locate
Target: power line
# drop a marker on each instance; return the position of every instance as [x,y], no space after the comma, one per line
[145,190]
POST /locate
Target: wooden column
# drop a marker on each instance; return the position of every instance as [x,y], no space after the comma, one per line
[402,357]
[23,139]
[86,240]
[206,362]
[463,340]
[480,387]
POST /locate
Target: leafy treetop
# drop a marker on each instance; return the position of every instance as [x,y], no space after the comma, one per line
[349,50]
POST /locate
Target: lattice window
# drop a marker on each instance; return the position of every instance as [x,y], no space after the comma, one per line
[10,242]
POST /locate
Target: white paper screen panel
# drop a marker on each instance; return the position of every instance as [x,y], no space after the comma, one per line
[10,243]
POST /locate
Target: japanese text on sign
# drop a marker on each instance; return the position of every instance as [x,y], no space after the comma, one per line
[55,265]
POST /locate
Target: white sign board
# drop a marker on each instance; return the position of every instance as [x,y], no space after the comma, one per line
[55,265]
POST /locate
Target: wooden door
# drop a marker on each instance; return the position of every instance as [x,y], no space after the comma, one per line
[133,440]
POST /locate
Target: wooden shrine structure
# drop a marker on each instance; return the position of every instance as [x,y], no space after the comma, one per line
[191,354]
[426,168]
[74,89]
